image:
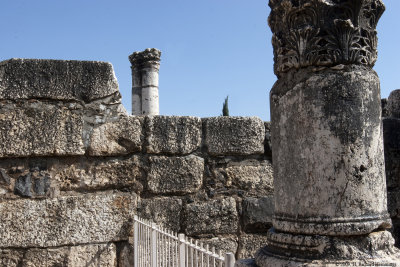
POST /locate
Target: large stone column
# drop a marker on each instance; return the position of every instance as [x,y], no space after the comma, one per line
[145,67]
[329,179]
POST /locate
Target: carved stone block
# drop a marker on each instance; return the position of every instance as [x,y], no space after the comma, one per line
[323,33]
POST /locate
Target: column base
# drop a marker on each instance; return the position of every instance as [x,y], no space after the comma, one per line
[360,225]
[283,249]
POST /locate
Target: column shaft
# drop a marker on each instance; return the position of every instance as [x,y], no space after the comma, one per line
[145,67]
[327,148]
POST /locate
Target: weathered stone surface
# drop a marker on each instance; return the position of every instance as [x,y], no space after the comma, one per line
[253,177]
[393,104]
[101,174]
[56,79]
[40,130]
[177,175]
[329,180]
[330,33]
[89,218]
[117,138]
[224,244]
[217,216]
[249,244]
[11,257]
[164,211]
[23,186]
[234,135]
[171,134]
[373,249]
[257,213]
[32,183]
[82,256]
[328,153]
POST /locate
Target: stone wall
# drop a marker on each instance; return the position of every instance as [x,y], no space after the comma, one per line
[391,137]
[75,168]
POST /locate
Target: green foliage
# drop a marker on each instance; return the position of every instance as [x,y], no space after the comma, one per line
[225,109]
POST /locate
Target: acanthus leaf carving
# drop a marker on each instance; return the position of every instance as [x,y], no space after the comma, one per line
[324,32]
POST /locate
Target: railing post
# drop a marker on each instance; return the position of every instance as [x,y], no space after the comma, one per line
[182,250]
[229,260]
[153,245]
[135,241]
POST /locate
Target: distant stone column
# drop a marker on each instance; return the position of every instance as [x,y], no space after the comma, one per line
[327,148]
[145,67]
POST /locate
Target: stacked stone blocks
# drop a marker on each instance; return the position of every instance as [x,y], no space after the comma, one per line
[75,168]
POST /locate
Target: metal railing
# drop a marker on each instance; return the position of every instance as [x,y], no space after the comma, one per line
[155,246]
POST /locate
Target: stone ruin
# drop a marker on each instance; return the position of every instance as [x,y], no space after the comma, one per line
[145,67]
[328,156]
[75,167]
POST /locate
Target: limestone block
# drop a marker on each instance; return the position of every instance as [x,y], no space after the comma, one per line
[83,219]
[171,134]
[56,79]
[257,213]
[11,257]
[224,244]
[100,174]
[77,256]
[178,175]
[40,130]
[234,135]
[253,177]
[117,138]
[217,216]
[164,211]
[249,244]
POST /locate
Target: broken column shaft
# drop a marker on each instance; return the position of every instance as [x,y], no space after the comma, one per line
[329,179]
[145,67]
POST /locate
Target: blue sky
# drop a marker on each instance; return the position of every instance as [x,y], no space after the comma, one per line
[211,48]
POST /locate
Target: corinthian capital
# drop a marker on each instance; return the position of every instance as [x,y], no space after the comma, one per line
[149,56]
[324,32]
